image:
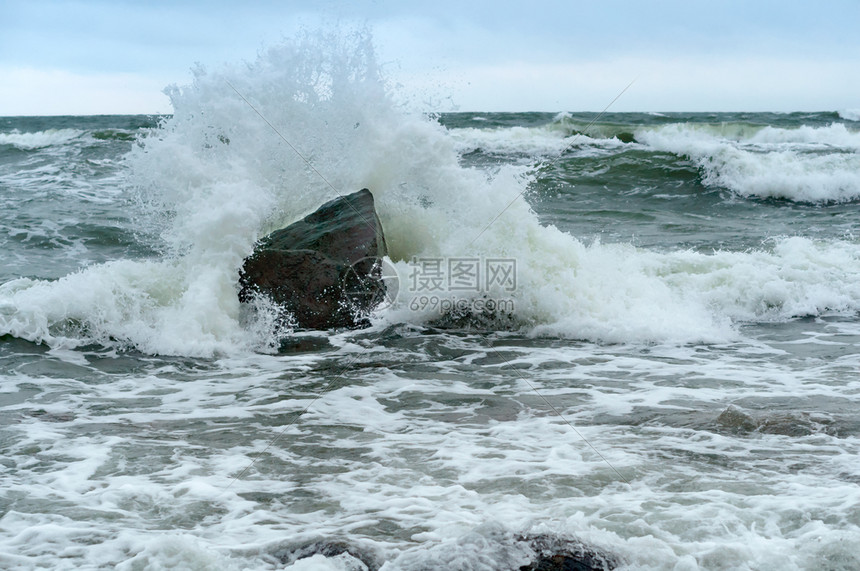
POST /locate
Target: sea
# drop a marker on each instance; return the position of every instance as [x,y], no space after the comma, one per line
[634,332]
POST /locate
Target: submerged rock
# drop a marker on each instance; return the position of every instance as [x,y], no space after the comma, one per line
[742,422]
[736,420]
[350,556]
[559,554]
[325,269]
[488,547]
[565,562]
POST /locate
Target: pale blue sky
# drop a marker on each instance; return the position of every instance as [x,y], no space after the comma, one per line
[98,56]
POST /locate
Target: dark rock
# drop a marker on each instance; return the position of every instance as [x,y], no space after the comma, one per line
[558,554]
[325,269]
[487,548]
[295,345]
[736,420]
[457,319]
[354,555]
[740,422]
[562,562]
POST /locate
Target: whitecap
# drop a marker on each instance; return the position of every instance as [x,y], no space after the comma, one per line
[39,139]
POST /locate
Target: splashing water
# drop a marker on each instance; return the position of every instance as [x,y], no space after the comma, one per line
[216,176]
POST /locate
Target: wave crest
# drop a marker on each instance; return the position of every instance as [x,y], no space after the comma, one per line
[39,139]
[805,164]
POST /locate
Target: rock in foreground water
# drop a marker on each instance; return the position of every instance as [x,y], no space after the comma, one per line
[325,269]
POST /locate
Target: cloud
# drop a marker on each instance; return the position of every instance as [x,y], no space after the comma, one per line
[27,91]
[547,56]
[661,84]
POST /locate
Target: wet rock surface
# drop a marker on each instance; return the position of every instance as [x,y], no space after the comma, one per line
[543,553]
[557,554]
[739,421]
[325,270]
[351,556]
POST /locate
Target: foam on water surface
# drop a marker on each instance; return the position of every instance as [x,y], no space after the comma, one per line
[202,464]
[39,139]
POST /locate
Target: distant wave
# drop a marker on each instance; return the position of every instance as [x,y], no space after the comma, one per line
[850,114]
[805,164]
[39,139]
[550,139]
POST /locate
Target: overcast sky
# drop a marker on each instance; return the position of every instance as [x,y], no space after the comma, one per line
[115,56]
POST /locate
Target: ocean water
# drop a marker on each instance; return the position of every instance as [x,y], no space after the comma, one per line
[655,348]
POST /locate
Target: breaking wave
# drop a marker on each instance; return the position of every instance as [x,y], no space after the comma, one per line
[225,169]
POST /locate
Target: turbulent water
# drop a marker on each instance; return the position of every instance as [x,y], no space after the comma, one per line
[655,347]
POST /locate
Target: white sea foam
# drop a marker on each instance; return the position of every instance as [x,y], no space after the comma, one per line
[543,141]
[768,162]
[835,136]
[138,470]
[530,142]
[850,114]
[39,139]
